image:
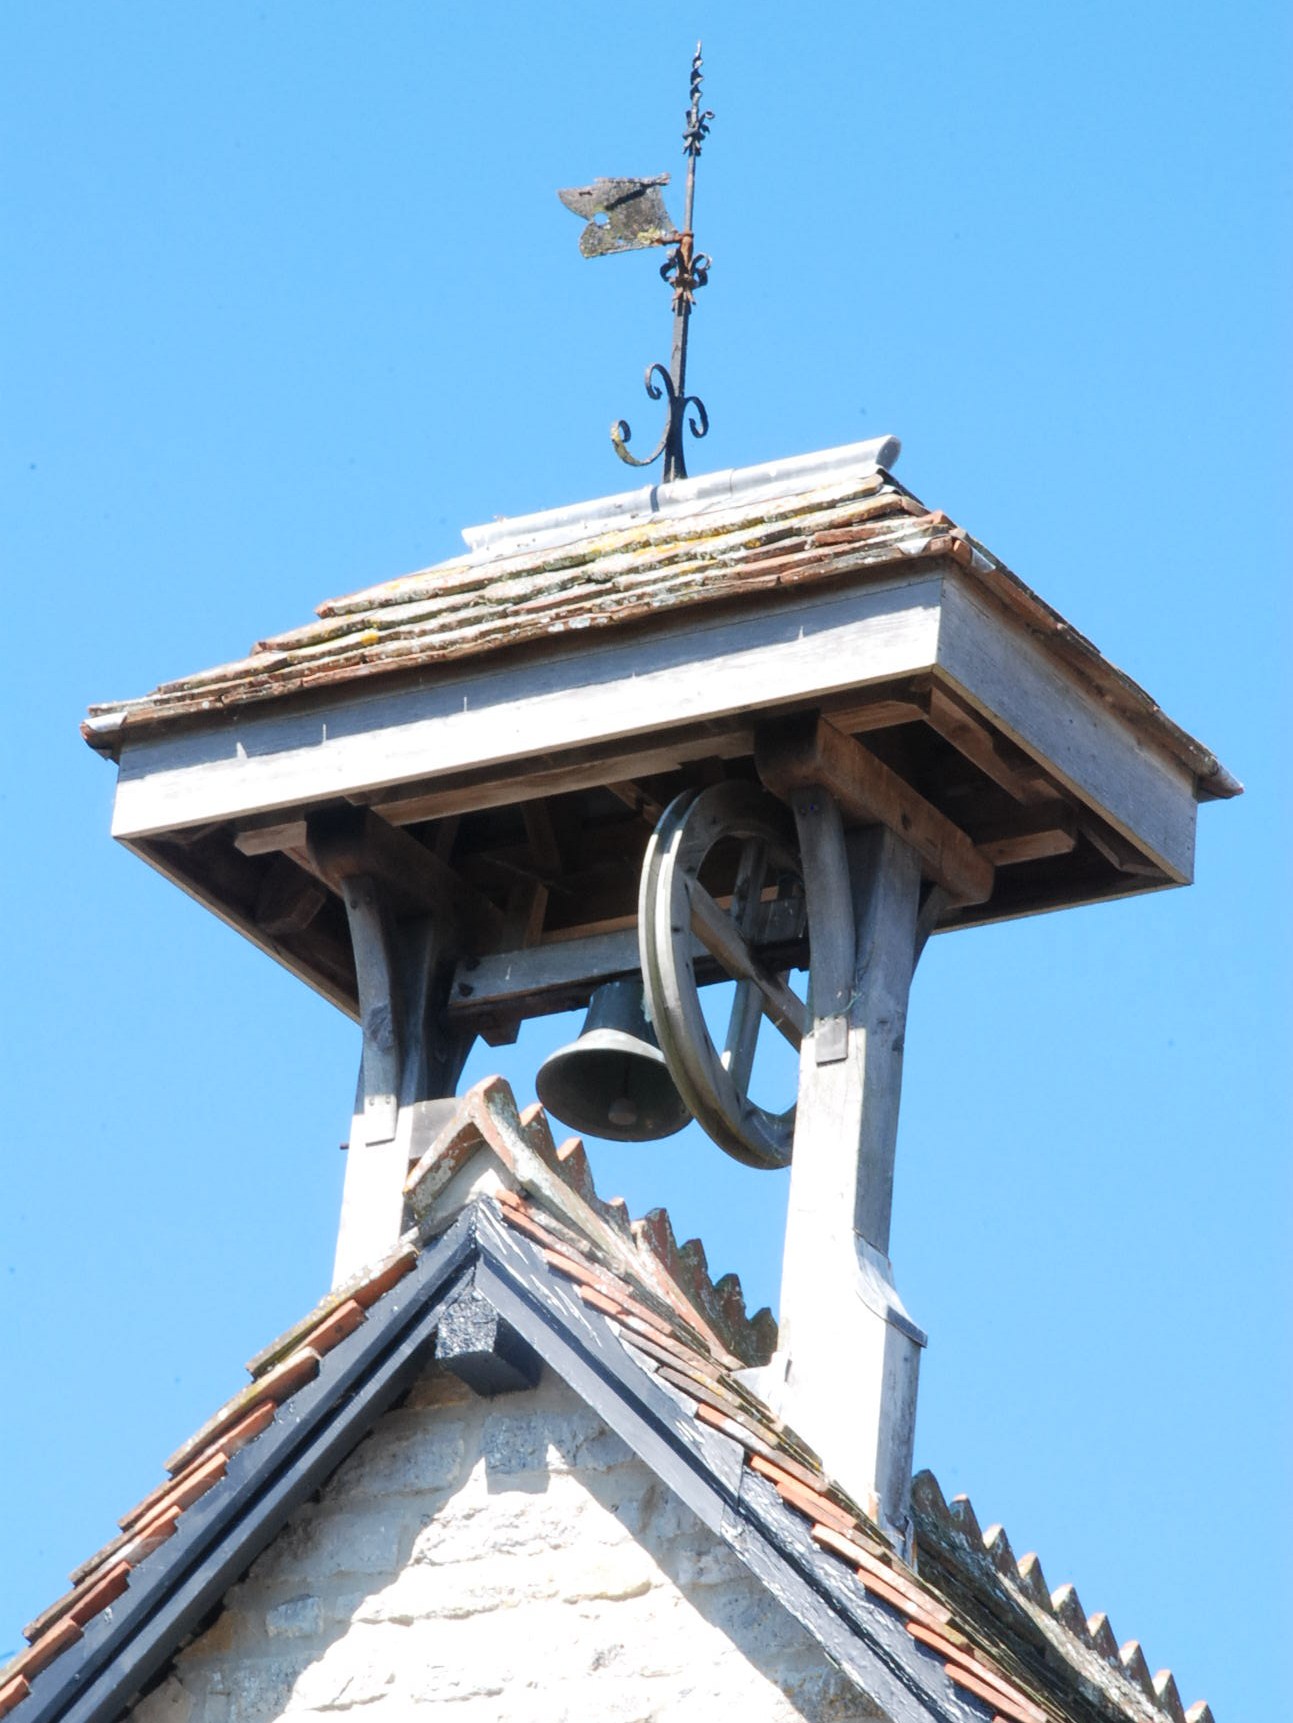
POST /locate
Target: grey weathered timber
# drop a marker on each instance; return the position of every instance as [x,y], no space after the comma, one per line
[610,695]
[1037,702]
[604,691]
[673,907]
[348,841]
[560,974]
[404,977]
[837,1294]
[809,753]
[371,934]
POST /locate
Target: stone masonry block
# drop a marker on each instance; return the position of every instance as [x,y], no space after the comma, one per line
[168,1703]
[704,1565]
[453,1593]
[545,1441]
[613,1577]
[298,1618]
[514,1523]
[513,1561]
[402,1462]
[320,1545]
[438,1387]
[259,1691]
[355,1670]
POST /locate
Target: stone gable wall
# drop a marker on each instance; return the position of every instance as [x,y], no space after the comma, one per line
[501,1561]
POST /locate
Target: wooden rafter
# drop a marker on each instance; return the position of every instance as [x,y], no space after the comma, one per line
[812,752]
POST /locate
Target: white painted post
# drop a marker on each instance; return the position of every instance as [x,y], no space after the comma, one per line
[845,1373]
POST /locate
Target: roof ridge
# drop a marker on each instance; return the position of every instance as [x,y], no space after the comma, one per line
[492,1160]
[1023,1577]
[560,1178]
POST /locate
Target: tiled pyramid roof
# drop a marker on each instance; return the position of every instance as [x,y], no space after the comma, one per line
[1024,1654]
[625,560]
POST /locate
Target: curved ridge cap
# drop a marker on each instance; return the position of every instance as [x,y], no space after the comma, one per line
[1093,1634]
[579,520]
[558,1180]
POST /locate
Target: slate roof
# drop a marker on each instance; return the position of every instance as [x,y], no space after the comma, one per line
[634,1321]
[721,538]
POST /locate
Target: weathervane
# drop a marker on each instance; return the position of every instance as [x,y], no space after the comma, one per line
[635,217]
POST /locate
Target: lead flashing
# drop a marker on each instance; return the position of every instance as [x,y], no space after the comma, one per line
[782,479]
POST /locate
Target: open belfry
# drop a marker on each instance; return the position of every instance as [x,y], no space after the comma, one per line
[762,731]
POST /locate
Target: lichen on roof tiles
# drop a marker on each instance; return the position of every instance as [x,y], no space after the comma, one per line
[723,539]
[999,1635]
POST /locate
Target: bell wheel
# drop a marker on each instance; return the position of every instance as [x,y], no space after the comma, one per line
[721,884]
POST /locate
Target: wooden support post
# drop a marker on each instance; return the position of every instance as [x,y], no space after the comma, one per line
[848,1355]
[370,934]
[814,754]
[410,1055]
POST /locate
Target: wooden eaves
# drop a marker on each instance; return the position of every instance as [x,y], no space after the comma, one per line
[521,714]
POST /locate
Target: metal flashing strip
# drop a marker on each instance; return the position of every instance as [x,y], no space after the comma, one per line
[781,479]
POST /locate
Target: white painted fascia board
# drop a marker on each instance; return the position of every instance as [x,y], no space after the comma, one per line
[588,693]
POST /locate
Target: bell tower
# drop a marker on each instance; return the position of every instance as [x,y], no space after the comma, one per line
[770,728]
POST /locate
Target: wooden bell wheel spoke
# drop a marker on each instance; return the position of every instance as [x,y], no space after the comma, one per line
[675,912]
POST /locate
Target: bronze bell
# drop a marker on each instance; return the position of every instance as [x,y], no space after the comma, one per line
[613,1081]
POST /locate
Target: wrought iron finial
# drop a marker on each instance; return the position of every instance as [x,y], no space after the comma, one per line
[635,217]
[697,123]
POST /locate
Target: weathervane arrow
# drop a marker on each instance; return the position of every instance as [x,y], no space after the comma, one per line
[635,218]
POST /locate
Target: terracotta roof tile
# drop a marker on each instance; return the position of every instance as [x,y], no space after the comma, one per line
[957,1606]
[13,1692]
[843,520]
[275,1386]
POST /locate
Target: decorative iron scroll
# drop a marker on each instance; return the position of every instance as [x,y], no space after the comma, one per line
[634,218]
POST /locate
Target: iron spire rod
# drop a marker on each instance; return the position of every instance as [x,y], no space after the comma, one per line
[686,270]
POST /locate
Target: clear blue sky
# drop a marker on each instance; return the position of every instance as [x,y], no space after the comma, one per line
[289,299]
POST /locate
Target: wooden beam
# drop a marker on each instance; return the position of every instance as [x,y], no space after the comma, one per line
[541,835]
[1058,717]
[227,884]
[379,1011]
[289,898]
[579,769]
[721,937]
[880,707]
[348,842]
[1116,849]
[611,692]
[527,904]
[1044,829]
[410,1056]
[261,840]
[811,752]
[996,757]
[635,797]
[561,974]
